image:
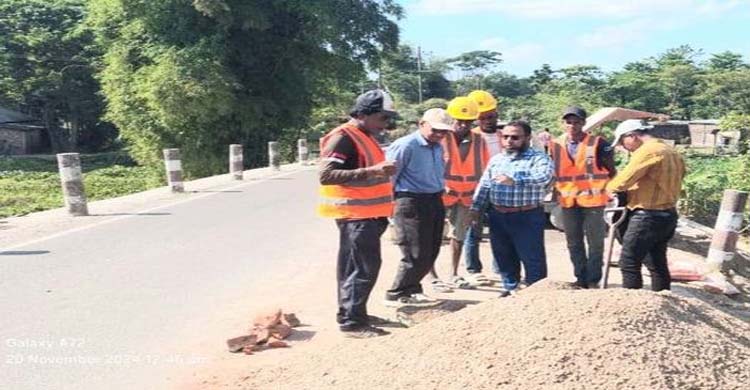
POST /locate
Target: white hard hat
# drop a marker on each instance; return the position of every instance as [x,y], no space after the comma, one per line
[628,126]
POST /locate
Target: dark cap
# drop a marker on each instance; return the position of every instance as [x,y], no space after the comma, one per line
[577,111]
[374,101]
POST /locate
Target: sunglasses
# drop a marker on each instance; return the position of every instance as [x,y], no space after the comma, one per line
[512,137]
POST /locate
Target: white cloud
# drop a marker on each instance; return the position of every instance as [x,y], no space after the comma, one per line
[557,9]
[514,53]
[623,34]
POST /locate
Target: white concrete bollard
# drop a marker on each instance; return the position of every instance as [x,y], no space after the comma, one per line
[302,151]
[69,165]
[235,161]
[727,228]
[274,159]
[174,169]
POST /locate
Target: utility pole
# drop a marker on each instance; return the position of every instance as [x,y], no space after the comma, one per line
[419,73]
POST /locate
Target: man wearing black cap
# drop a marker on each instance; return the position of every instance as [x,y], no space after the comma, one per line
[355,189]
[584,163]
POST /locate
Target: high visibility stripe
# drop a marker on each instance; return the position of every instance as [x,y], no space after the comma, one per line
[357,202]
[595,176]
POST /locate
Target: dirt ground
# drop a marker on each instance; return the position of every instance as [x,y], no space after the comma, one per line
[311,295]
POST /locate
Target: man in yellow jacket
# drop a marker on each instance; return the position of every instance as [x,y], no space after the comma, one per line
[355,189]
[653,181]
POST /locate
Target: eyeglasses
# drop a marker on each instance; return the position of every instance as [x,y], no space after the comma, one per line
[511,137]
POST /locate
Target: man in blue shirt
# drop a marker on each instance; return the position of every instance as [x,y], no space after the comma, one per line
[419,212]
[512,189]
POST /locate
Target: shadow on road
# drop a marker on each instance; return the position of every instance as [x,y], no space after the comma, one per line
[209,191]
[22,253]
[121,214]
[300,335]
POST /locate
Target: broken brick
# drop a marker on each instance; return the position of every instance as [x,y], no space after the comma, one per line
[237,344]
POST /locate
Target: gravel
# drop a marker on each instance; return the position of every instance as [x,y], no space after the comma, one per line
[544,337]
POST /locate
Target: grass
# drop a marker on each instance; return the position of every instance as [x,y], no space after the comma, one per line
[29,184]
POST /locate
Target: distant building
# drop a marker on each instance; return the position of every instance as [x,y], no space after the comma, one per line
[19,133]
[704,133]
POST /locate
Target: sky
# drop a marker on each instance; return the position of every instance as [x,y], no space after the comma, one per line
[562,33]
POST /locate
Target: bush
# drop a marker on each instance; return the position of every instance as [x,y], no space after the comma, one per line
[708,177]
[28,185]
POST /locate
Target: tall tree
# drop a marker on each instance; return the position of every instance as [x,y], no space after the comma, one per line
[201,74]
[726,60]
[47,63]
[474,66]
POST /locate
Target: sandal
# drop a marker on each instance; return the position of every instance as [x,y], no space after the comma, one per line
[478,280]
[459,282]
[439,286]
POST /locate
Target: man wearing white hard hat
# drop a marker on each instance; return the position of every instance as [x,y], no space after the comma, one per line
[653,181]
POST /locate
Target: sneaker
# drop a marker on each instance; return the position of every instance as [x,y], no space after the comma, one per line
[380,321]
[439,286]
[418,299]
[364,332]
[506,293]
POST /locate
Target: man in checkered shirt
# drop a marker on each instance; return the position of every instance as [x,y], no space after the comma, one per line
[512,189]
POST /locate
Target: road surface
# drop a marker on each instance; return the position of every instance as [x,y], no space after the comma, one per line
[114,305]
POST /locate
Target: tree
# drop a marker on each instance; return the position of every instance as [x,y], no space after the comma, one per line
[506,85]
[474,65]
[636,87]
[202,74]
[726,60]
[678,76]
[541,77]
[47,66]
[400,75]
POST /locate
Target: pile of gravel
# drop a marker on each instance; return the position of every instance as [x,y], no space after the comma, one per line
[544,337]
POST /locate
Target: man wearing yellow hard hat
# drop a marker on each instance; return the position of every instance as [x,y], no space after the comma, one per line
[488,129]
[465,158]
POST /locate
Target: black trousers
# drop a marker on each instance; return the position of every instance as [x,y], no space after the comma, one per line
[419,221]
[358,267]
[645,235]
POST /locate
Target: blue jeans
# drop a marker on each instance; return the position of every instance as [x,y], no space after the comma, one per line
[471,248]
[518,238]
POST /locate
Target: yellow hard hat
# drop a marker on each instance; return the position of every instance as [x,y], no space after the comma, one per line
[484,99]
[463,108]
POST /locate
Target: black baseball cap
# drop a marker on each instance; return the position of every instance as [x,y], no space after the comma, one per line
[374,101]
[573,110]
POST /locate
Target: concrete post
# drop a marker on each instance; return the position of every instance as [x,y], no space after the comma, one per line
[726,231]
[235,161]
[174,169]
[274,160]
[302,151]
[71,178]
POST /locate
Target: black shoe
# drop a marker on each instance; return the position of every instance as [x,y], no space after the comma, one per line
[384,322]
[504,293]
[364,332]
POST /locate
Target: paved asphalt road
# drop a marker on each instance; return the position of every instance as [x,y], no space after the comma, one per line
[102,307]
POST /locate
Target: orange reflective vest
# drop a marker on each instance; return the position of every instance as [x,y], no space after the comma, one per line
[368,198]
[462,176]
[579,182]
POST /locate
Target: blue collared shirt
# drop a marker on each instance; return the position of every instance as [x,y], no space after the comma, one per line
[531,171]
[420,166]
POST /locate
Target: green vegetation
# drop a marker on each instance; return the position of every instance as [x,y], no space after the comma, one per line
[138,76]
[33,184]
[708,177]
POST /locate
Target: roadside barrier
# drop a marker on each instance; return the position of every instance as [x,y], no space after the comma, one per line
[69,165]
[174,169]
[236,166]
